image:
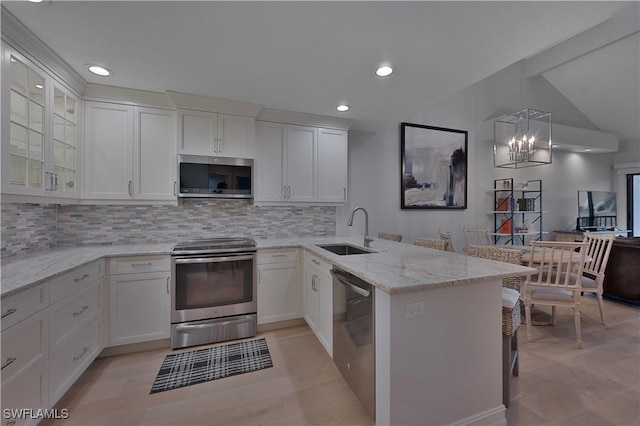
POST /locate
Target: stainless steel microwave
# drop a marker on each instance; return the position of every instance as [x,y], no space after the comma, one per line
[215,177]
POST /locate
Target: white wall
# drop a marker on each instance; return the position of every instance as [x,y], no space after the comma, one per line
[374,163]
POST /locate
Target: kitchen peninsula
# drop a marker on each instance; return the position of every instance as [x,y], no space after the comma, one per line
[440,366]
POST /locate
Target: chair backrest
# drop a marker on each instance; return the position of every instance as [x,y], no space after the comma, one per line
[431,243]
[598,250]
[500,254]
[446,236]
[391,237]
[477,237]
[559,263]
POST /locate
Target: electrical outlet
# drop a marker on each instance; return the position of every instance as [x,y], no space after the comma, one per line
[414,309]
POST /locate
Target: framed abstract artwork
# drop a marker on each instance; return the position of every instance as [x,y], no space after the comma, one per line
[433,167]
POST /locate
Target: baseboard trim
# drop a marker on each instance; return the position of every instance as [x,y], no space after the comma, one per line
[281,324]
[495,416]
[135,347]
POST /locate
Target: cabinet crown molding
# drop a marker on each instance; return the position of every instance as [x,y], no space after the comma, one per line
[122,95]
[205,103]
[290,117]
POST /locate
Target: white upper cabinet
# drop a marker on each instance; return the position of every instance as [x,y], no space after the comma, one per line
[220,135]
[129,152]
[332,165]
[39,131]
[300,164]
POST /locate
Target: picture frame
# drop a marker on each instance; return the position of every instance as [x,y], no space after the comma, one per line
[433,167]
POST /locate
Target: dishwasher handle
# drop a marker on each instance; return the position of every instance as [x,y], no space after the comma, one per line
[345,281]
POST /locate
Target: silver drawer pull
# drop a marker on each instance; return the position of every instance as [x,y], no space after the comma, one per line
[84,351]
[9,312]
[84,308]
[315,261]
[141,265]
[278,255]
[8,362]
[84,276]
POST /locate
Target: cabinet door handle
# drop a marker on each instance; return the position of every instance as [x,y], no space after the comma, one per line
[278,255]
[84,308]
[84,276]
[174,188]
[9,312]
[220,145]
[8,362]
[317,262]
[130,188]
[283,193]
[168,289]
[84,351]
[216,145]
[344,194]
[141,265]
[288,192]
[55,182]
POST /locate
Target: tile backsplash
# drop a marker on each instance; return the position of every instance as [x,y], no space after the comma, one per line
[27,228]
[70,225]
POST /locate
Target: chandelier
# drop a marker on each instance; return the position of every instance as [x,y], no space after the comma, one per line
[522,139]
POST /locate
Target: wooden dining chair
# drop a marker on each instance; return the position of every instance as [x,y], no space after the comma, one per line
[558,281]
[431,243]
[477,237]
[389,236]
[446,236]
[593,273]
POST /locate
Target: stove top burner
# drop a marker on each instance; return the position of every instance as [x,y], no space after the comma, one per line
[214,245]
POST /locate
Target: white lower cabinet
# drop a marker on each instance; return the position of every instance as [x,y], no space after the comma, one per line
[73,358]
[279,291]
[25,395]
[318,299]
[140,303]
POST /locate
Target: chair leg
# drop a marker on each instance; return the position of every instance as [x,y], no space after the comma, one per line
[578,328]
[527,316]
[514,347]
[601,307]
[506,367]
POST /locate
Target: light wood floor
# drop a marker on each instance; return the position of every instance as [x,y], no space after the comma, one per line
[558,383]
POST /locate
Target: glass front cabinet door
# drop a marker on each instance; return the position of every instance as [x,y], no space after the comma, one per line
[39,148]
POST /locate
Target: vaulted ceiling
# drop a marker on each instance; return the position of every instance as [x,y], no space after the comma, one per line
[311,56]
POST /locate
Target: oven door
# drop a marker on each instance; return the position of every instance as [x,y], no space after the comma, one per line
[212,286]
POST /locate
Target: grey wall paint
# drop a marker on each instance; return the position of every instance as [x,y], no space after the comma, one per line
[374,163]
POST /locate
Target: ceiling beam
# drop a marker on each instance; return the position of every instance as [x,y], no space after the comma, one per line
[623,23]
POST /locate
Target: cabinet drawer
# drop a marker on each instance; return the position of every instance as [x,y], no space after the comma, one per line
[67,284]
[24,345]
[29,391]
[69,316]
[24,304]
[278,255]
[135,264]
[317,261]
[72,359]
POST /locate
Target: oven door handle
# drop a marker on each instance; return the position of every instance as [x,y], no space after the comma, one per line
[213,259]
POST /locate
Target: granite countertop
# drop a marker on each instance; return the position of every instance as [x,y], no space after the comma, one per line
[394,268]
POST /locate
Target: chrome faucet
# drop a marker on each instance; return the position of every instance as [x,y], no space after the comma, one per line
[367,238]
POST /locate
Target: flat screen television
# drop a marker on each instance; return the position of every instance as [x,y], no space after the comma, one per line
[597,210]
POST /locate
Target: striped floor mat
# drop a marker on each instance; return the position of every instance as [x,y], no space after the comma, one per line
[189,368]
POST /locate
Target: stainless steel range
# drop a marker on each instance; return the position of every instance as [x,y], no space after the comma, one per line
[213,296]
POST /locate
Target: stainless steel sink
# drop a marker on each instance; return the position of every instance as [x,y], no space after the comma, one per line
[345,249]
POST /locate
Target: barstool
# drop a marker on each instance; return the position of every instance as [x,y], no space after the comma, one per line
[510,324]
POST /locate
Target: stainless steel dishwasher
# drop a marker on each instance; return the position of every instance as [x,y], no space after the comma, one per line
[353,335]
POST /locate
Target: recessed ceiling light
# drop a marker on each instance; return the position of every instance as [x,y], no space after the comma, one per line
[343,108]
[384,71]
[555,145]
[588,150]
[39,86]
[35,1]
[99,70]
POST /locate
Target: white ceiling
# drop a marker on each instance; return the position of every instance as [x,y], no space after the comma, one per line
[311,56]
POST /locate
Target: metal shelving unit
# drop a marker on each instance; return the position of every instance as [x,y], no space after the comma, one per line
[517,214]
